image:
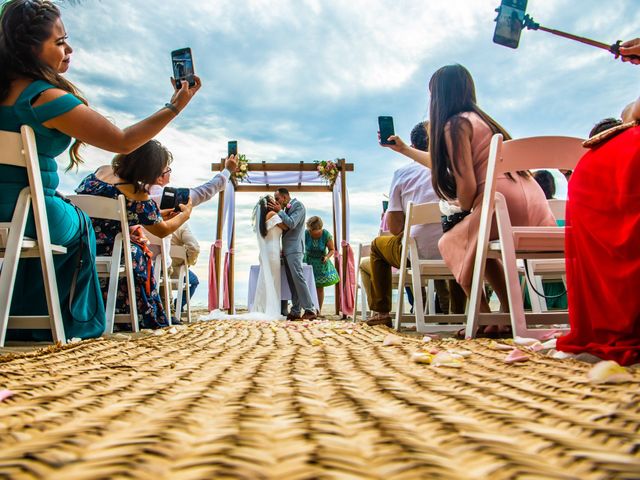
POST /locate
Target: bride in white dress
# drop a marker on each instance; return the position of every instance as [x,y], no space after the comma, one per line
[266,305]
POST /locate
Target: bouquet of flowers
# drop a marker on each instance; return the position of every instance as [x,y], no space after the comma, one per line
[328,170]
[242,172]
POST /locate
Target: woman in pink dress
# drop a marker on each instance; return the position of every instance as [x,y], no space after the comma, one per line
[460,134]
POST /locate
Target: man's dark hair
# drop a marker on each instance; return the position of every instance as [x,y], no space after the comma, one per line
[603,125]
[546,182]
[282,191]
[420,136]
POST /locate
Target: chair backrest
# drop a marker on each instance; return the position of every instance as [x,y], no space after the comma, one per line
[20,150]
[421,214]
[558,208]
[106,209]
[178,252]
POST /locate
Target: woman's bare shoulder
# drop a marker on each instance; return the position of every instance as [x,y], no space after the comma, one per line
[271,214]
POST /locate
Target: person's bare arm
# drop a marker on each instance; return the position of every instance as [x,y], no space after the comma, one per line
[87,125]
[395,222]
[465,177]
[167,227]
[414,154]
[331,247]
[631,112]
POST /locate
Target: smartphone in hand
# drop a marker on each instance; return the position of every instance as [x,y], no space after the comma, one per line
[385,127]
[182,62]
[173,197]
[232,148]
[510,22]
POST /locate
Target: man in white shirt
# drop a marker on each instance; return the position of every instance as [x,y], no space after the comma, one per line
[200,194]
[411,183]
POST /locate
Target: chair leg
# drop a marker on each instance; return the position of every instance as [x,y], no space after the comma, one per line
[181,284]
[188,293]
[364,303]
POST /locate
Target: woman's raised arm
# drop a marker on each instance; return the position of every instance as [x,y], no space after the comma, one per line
[92,128]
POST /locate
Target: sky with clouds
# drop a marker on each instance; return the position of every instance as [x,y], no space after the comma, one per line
[304,80]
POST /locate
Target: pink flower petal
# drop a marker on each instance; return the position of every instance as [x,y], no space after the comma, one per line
[515,356]
[4,394]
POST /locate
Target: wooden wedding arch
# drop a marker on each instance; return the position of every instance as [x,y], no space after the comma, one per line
[261,181]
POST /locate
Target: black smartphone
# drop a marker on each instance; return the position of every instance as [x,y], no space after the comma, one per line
[232,148]
[172,197]
[182,61]
[385,127]
[510,22]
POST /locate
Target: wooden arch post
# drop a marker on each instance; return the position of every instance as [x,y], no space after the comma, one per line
[344,249]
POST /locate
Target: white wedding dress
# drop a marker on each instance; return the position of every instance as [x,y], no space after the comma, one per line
[266,304]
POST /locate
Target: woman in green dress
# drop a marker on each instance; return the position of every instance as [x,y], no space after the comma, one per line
[319,248]
[34,53]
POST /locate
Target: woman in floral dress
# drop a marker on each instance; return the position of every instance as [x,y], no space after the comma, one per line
[130,175]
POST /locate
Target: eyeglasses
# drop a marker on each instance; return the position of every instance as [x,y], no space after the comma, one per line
[166,172]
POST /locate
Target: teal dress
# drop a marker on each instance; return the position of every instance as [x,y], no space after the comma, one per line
[325,273]
[83,312]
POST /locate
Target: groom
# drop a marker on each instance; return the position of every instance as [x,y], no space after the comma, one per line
[292,213]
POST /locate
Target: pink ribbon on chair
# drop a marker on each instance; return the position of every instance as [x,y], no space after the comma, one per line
[347,282]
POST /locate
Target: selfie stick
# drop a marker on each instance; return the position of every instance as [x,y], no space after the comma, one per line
[615,48]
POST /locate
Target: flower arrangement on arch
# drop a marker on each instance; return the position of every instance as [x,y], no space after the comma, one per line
[328,170]
[242,172]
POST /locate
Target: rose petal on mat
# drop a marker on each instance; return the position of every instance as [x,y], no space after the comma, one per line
[391,339]
[316,342]
[500,346]
[426,339]
[535,347]
[609,372]
[460,353]
[421,357]
[173,330]
[159,332]
[559,355]
[525,341]
[445,359]
[550,344]
[74,340]
[515,355]
[4,394]
[551,335]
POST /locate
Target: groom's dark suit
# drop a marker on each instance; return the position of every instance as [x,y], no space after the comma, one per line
[293,251]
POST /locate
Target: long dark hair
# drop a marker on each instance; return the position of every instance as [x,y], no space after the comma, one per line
[24,26]
[452,92]
[143,166]
[263,209]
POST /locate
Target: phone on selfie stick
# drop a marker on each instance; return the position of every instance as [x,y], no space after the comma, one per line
[512,19]
[173,197]
[182,62]
[385,127]
[510,22]
[232,148]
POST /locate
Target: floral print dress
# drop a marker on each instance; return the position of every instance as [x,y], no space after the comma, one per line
[140,212]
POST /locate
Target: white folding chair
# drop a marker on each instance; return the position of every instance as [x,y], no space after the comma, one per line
[112,267]
[514,241]
[364,251]
[538,270]
[179,256]
[19,149]
[161,265]
[423,272]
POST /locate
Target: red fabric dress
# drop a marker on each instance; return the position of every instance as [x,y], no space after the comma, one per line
[603,251]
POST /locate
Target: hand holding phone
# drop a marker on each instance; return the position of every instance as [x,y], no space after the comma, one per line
[385,128]
[173,197]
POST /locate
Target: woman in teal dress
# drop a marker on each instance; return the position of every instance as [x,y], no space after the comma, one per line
[319,248]
[34,53]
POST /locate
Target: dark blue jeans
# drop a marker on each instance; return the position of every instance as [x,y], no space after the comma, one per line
[193,284]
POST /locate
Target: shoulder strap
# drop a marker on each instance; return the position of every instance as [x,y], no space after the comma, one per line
[34,88]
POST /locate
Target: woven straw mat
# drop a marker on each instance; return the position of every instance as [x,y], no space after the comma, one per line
[304,401]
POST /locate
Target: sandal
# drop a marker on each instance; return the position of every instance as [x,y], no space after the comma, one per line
[380,320]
